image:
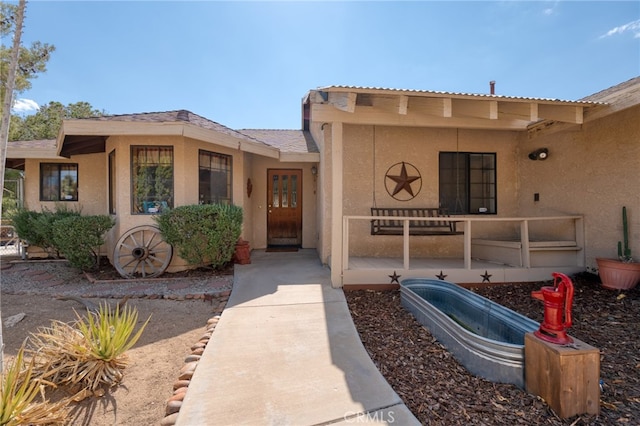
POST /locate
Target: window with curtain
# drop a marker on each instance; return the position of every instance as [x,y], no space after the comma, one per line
[468,182]
[58,182]
[214,178]
[151,179]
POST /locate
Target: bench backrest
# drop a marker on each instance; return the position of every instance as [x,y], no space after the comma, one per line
[402,212]
[391,224]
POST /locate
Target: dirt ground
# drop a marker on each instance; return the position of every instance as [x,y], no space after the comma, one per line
[154,361]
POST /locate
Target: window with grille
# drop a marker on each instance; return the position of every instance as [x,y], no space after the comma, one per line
[214,178]
[468,182]
[151,179]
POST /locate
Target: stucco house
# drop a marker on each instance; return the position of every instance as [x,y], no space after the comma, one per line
[499,188]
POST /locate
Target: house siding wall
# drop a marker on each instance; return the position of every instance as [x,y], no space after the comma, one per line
[92,192]
[248,218]
[321,134]
[592,170]
[369,152]
[185,180]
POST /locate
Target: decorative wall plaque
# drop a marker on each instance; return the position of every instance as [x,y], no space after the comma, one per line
[403,181]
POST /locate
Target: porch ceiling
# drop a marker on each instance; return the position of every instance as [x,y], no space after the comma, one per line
[412,108]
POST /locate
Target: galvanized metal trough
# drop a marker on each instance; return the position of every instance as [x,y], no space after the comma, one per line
[485,337]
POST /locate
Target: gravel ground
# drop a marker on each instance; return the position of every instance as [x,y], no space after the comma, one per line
[57,278]
[439,391]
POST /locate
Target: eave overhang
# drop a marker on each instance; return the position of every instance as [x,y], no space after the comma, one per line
[369,106]
[20,151]
[89,136]
[300,157]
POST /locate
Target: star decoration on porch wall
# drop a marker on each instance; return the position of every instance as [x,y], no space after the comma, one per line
[394,278]
[441,276]
[403,181]
[486,276]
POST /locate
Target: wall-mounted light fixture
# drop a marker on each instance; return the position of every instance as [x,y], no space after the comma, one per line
[539,154]
[314,170]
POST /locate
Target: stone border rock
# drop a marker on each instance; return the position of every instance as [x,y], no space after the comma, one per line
[181,385]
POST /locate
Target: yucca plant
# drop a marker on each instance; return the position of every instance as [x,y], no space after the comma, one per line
[108,335]
[89,352]
[18,398]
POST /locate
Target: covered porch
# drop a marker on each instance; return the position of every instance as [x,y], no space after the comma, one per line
[489,252]
[478,157]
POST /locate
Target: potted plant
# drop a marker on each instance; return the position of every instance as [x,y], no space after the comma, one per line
[621,273]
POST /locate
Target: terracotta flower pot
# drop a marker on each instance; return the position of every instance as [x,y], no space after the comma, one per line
[242,254]
[616,275]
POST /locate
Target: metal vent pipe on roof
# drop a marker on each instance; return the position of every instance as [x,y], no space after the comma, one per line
[492,87]
[183,115]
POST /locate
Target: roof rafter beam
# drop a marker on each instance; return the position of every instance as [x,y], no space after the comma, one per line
[565,113]
[343,101]
[413,118]
[518,110]
[403,104]
[439,107]
[487,109]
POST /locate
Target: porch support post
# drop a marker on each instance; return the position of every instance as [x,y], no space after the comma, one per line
[336,205]
[467,244]
[524,240]
[579,224]
[405,243]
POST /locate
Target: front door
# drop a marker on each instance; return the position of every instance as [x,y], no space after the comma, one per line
[284,213]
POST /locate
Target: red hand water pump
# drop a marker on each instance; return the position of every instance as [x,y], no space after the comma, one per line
[557,301]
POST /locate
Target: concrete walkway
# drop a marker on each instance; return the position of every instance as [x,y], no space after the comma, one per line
[285,352]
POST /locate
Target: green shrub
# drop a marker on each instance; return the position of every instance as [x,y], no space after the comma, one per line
[203,234]
[36,228]
[23,221]
[64,232]
[78,238]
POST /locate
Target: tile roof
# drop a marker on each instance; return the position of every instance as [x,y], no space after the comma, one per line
[36,144]
[290,141]
[175,116]
[604,94]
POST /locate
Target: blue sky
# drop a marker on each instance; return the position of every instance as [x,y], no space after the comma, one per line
[248,64]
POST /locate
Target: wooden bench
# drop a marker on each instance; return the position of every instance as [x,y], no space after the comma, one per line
[416,227]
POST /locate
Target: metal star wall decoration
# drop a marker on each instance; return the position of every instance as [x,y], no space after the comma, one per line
[394,278]
[402,182]
[441,276]
[486,276]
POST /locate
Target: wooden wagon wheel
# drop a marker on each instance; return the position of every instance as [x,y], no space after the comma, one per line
[142,253]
